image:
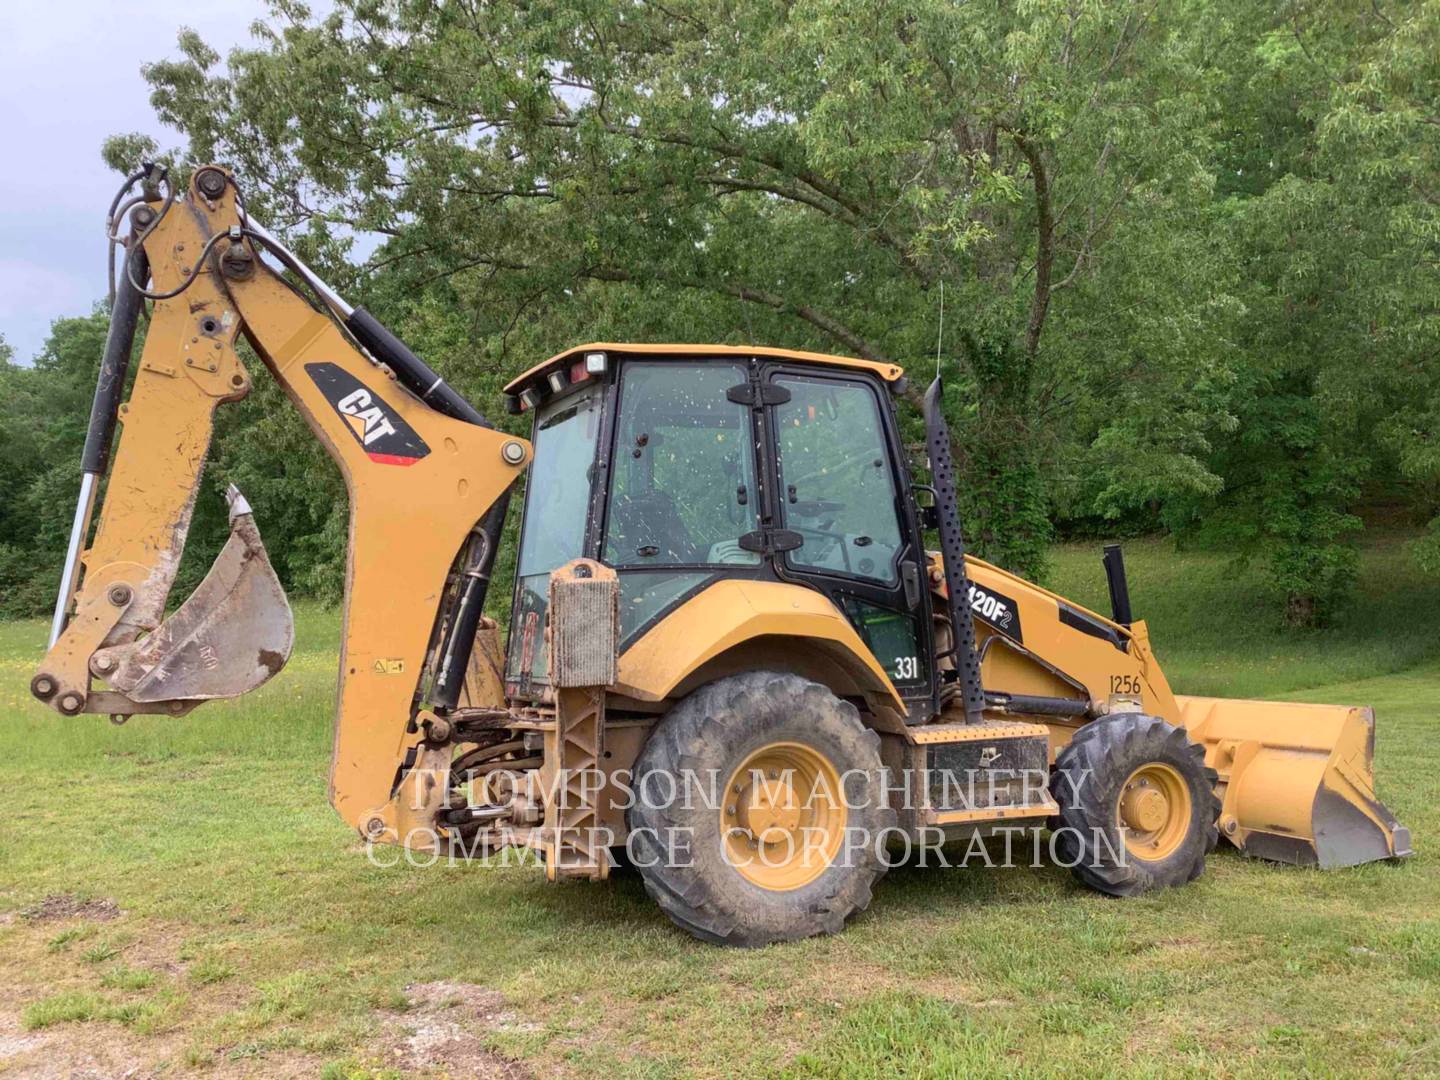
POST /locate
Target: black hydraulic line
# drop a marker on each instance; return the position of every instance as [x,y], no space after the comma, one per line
[414,373]
[138,174]
[1114,562]
[1034,705]
[465,620]
[952,547]
[114,364]
[111,219]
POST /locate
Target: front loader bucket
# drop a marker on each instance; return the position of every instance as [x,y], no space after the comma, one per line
[233,633]
[1297,782]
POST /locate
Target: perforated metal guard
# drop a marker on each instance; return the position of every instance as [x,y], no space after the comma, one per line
[584,625]
[952,547]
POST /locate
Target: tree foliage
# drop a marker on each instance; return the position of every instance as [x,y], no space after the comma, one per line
[1331,214]
[831,163]
[1185,252]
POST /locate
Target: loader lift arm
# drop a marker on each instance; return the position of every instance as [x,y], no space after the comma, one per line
[427,477]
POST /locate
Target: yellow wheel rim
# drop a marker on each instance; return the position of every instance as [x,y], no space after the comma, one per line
[782,816]
[1154,811]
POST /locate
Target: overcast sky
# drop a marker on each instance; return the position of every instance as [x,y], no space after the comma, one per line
[70,76]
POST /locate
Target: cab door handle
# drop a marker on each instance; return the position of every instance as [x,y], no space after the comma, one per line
[910,578]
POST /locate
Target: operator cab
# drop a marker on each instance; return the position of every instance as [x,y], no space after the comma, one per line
[681,466]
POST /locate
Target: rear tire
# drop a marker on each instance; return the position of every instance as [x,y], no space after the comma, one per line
[1137,805]
[692,853]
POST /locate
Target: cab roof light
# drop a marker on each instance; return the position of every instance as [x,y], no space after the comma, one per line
[529,397]
[558,381]
[595,362]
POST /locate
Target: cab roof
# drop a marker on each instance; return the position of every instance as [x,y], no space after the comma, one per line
[888,372]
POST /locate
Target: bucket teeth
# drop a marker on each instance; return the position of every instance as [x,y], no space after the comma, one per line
[236,501]
[233,633]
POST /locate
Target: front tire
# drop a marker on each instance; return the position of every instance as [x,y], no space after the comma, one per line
[1137,805]
[783,837]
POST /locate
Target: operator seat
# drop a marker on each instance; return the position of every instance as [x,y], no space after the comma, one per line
[647,528]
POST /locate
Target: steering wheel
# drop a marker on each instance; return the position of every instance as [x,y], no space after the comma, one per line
[837,539]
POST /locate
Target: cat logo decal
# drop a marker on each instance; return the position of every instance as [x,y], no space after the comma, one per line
[386,438]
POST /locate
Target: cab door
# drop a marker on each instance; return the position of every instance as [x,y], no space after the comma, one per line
[841,489]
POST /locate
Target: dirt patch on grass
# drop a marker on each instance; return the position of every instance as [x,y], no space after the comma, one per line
[55,1059]
[445,1029]
[12,1046]
[69,906]
[72,1052]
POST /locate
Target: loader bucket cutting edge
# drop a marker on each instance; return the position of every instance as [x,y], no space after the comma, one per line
[1297,781]
[231,635]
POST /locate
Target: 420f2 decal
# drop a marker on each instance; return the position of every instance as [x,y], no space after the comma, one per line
[996,609]
[386,438]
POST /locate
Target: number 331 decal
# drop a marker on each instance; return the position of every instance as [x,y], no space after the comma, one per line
[907,667]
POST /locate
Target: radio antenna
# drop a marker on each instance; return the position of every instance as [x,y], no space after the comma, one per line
[940,334]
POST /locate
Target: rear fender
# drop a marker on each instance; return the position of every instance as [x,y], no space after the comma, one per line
[741,624]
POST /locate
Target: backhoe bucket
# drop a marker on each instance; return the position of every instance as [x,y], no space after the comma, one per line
[233,633]
[1297,782]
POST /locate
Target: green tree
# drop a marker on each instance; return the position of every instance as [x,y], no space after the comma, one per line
[43,414]
[827,165]
[1327,179]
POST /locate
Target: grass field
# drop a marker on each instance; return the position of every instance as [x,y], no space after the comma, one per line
[176,896]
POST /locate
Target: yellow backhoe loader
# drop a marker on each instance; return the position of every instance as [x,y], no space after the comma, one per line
[731,661]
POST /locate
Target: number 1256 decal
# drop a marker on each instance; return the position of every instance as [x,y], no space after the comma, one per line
[1126,684]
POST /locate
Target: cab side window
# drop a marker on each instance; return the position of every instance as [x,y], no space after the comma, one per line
[682,490]
[836,487]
